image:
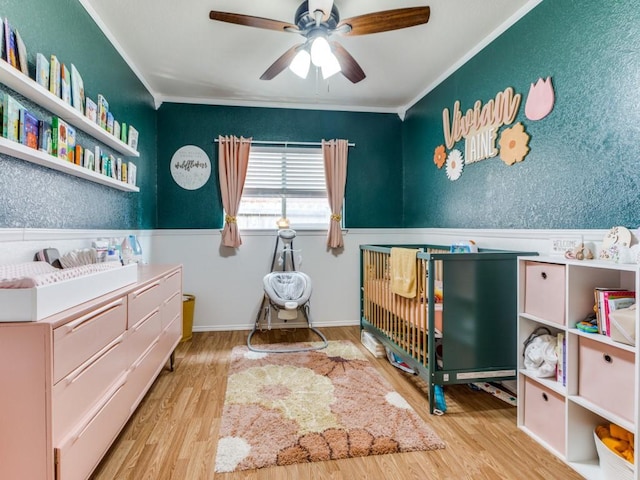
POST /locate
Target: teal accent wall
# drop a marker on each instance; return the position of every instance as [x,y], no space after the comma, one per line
[374,173]
[582,170]
[37,197]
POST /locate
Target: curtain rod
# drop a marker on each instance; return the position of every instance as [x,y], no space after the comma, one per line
[301,144]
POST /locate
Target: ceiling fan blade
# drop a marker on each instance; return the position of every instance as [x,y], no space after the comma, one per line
[348,65]
[251,21]
[281,63]
[386,20]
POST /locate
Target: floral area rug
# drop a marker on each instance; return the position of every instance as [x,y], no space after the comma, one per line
[286,408]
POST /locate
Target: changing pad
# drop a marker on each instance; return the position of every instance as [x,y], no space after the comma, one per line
[35,290]
[35,274]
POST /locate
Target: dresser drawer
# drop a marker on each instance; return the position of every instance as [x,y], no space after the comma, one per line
[77,341]
[81,451]
[172,283]
[544,294]
[143,334]
[172,334]
[544,414]
[144,300]
[171,308]
[605,377]
[75,395]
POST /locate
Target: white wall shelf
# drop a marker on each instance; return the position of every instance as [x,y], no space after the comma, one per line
[16,80]
[38,157]
[602,376]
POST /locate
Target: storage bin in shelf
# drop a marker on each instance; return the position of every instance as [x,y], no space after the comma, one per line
[18,81]
[38,157]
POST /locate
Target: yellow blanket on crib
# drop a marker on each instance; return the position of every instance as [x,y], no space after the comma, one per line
[403,271]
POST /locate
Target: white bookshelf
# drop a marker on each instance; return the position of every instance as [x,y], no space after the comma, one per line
[581,415]
[38,157]
[16,80]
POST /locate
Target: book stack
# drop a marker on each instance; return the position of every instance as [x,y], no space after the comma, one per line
[606,301]
[372,344]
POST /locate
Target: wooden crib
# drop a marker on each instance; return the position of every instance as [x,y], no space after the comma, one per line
[473,315]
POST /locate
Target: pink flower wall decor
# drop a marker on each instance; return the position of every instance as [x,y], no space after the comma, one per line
[540,100]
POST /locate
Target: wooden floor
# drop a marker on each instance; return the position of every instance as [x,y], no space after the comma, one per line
[173,433]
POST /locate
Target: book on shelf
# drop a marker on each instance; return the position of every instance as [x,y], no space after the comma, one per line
[44,137]
[132,138]
[59,130]
[110,120]
[10,44]
[116,129]
[97,158]
[602,296]
[103,108]
[123,172]
[77,89]
[28,129]
[42,70]
[11,117]
[104,163]
[78,156]
[88,159]
[614,300]
[71,143]
[119,169]
[21,53]
[113,167]
[131,173]
[123,133]
[3,51]
[91,110]
[65,84]
[54,75]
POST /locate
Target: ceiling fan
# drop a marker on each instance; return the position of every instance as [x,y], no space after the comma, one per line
[317,21]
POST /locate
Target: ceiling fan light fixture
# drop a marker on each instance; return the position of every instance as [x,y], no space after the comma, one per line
[301,63]
[320,51]
[330,67]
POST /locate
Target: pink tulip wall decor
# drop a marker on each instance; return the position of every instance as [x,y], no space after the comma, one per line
[540,100]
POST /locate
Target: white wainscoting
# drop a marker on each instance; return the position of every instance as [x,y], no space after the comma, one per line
[227,283]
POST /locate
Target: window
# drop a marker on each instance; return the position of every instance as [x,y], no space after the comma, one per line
[284,182]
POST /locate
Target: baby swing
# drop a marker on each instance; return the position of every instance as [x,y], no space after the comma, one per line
[286,291]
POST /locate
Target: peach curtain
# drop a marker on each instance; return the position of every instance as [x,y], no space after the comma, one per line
[335,171]
[233,158]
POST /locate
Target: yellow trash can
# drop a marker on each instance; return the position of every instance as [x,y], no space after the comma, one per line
[188,305]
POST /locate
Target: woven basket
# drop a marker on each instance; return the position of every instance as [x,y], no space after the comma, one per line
[613,466]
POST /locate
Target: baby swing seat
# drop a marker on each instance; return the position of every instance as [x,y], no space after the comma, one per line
[288,292]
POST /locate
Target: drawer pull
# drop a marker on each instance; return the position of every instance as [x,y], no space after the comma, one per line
[543,275]
[144,290]
[144,355]
[109,396]
[78,373]
[72,326]
[545,397]
[139,325]
[168,300]
[607,358]
[167,277]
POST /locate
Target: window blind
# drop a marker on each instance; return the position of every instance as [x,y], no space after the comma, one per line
[296,172]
